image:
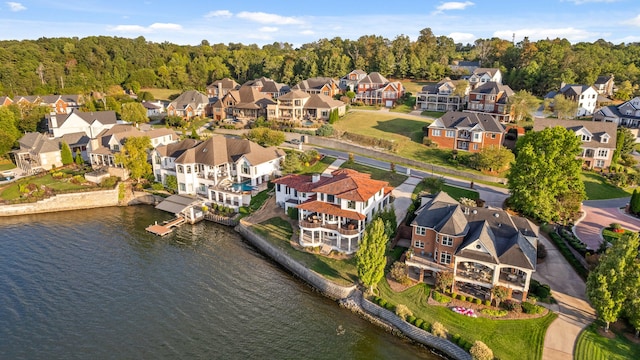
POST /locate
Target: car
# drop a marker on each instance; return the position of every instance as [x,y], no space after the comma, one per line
[295,141]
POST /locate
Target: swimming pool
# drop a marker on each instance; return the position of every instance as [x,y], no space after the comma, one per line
[244,186]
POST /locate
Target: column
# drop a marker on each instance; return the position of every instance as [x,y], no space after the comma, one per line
[421,276]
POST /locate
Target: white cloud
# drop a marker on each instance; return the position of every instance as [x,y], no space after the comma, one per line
[634,22]
[142,29]
[460,37]
[268,29]
[219,13]
[16,6]
[264,18]
[580,2]
[307,32]
[570,33]
[453,5]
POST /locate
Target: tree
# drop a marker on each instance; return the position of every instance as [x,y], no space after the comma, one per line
[334,116]
[134,112]
[291,163]
[194,134]
[634,203]
[632,305]
[495,158]
[544,181]
[9,133]
[133,156]
[444,280]
[522,104]
[370,257]
[398,272]
[499,293]
[171,182]
[562,107]
[65,154]
[625,141]
[266,136]
[609,284]
[480,351]
[78,159]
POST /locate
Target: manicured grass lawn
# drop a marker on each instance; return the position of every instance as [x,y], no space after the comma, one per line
[319,166]
[12,191]
[162,94]
[597,189]
[394,179]
[610,236]
[258,200]
[592,346]
[366,107]
[406,107]
[6,165]
[414,86]
[433,114]
[278,232]
[458,193]
[509,339]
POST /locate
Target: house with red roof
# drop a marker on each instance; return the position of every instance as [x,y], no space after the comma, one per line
[333,210]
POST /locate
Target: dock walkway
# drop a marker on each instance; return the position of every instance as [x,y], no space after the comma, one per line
[166,227]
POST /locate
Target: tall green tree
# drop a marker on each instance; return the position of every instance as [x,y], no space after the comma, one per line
[522,104]
[634,203]
[544,181]
[133,156]
[562,107]
[625,141]
[495,158]
[78,159]
[134,112]
[65,154]
[370,257]
[609,284]
[632,305]
[9,133]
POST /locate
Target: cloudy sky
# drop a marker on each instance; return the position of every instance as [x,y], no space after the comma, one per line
[304,21]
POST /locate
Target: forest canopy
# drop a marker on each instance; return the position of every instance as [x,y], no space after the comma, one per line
[81,65]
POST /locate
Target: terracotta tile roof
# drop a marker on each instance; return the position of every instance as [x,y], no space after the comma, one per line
[331,209]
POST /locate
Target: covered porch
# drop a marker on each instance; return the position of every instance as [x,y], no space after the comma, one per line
[326,224]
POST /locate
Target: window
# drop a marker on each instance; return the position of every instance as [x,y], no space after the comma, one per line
[421,230]
[445,258]
[604,139]
[586,138]
[450,133]
[446,240]
[331,198]
[180,169]
[351,204]
[419,244]
[493,136]
[600,163]
[182,187]
[245,169]
[435,132]
[278,188]
[479,96]
[188,169]
[475,146]
[158,160]
[603,152]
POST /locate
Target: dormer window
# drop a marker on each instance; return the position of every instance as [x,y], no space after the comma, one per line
[586,138]
[604,139]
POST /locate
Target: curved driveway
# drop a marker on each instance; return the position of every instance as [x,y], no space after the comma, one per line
[598,214]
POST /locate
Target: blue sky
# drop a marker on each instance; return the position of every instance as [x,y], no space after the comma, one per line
[304,21]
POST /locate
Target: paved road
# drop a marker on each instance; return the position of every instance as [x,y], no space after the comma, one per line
[598,214]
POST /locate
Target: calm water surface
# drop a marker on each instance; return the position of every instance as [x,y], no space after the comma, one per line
[94,285]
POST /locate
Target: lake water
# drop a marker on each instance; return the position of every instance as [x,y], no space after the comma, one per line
[95,285]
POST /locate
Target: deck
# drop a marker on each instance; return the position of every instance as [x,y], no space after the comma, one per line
[166,227]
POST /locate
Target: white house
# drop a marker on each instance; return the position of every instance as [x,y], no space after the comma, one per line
[226,171]
[484,75]
[90,123]
[585,96]
[333,210]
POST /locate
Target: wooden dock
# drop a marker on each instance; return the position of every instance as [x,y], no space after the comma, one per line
[166,227]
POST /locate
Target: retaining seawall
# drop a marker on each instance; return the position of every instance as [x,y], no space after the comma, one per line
[350,297]
[64,202]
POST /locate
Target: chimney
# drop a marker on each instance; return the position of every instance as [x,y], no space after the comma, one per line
[315,178]
[562,84]
[219,89]
[54,121]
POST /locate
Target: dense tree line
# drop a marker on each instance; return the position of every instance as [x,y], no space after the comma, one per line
[74,65]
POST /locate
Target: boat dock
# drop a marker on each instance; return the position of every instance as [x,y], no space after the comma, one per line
[166,227]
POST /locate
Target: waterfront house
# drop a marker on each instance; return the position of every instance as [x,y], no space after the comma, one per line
[481,76]
[226,171]
[269,87]
[299,105]
[318,85]
[585,97]
[188,105]
[491,98]
[220,88]
[375,89]
[443,96]
[460,67]
[90,123]
[332,210]
[605,85]
[246,103]
[482,247]
[350,81]
[37,152]
[598,139]
[467,131]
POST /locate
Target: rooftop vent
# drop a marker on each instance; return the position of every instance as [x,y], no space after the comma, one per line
[475,211]
[496,215]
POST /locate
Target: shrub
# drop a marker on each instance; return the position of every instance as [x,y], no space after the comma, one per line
[454,295]
[398,272]
[109,182]
[494,312]
[444,280]
[462,298]
[403,312]
[383,303]
[425,326]
[58,175]
[419,322]
[437,329]
[440,298]
[512,305]
[529,308]
[477,301]
[157,186]
[480,351]
[542,251]
[487,303]
[292,213]
[390,306]
[411,319]
[371,141]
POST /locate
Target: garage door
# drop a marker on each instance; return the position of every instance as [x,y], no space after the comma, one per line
[389,103]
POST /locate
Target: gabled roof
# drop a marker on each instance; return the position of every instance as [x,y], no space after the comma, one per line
[78,138]
[330,209]
[494,88]
[460,119]
[218,150]
[321,101]
[443,214]
[248,97]
[104,117]
[597,128]
[603,79]
[574,90]
[295,94]
[491,72]
[374,78]
[225,83]
[314,83]
[38,143]
[267,85]
[174,150]
[192,98]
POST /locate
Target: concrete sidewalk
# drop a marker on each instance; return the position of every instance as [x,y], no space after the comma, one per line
[334,166]
[402,195]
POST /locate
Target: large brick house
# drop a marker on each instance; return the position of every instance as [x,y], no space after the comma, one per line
[221,87]
[188,105]
[333,210]
[299,105]
[482,247]
[375,89]
[598,139]
[467,131]
[318,85]
[491,98]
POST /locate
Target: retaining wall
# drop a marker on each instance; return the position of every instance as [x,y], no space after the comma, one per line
[64,202]
[323,285]
[369,152]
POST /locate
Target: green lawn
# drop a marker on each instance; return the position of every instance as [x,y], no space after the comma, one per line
[414,86]
[592,346]
[597,189]
[258,200]
[406,107]
[162,94]
[12,191]
[6,165]
[509,339]
[433,114]
[318,167]
[458,193]
[278,232]
[394,179]
[610,236]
